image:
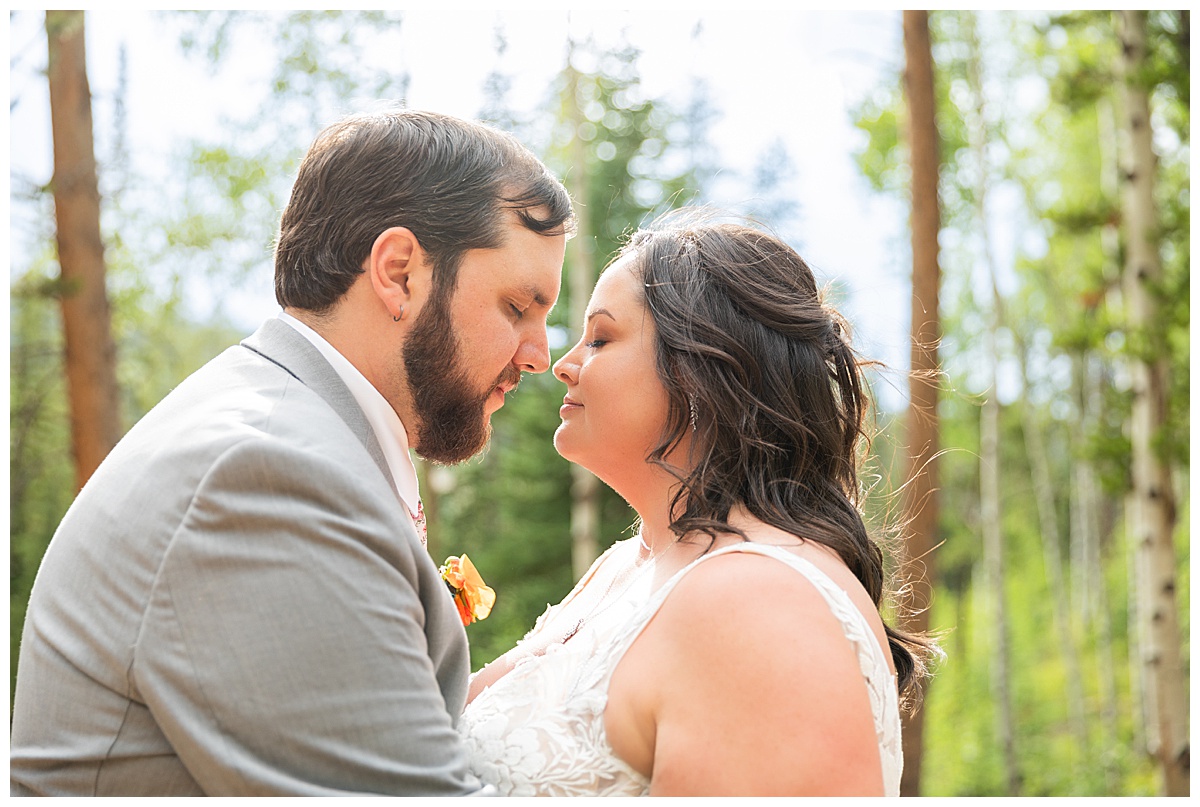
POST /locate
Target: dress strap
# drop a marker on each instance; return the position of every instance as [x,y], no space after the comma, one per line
[854,624]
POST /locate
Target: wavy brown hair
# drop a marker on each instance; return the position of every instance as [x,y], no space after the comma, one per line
[762,373]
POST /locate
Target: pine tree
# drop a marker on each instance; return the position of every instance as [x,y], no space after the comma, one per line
[90,352]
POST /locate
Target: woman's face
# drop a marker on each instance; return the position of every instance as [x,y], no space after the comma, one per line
[615,407]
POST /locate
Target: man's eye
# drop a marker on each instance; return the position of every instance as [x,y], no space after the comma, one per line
[517,312]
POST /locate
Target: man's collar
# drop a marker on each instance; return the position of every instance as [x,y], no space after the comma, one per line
[389,429]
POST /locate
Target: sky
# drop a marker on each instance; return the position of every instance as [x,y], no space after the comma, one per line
[792,76]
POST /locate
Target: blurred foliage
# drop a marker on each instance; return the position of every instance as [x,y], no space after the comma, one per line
[1051,88]
[1053,136]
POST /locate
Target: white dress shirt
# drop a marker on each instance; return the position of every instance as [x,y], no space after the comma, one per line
[386,424]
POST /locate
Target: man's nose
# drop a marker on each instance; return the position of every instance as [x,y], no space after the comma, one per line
[533,354]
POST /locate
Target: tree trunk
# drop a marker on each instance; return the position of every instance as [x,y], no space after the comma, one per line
[1110,245]
[1163,683]
[1086,514]
[585,487]
[1043,488]
[90,352]
[993,554]
[989,428]
[920,497]
[1084,581]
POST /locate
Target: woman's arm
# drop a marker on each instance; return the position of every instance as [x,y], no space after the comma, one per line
[743,684]
[492,672]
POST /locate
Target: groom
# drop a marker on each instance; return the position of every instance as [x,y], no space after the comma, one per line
[239,601]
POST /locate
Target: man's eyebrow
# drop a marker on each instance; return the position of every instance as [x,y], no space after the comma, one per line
[600,311]
[535,294]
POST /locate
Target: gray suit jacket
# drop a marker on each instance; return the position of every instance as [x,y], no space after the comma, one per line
[236,603]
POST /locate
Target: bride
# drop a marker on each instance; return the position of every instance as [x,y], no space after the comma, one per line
[734,646]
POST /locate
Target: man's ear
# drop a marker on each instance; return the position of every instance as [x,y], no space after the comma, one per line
[399,271]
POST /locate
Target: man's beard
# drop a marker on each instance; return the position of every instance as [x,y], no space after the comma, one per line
[451,424]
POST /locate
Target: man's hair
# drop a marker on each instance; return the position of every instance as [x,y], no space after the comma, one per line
[447,180]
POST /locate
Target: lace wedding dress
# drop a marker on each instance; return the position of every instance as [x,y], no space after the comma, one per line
[539,730]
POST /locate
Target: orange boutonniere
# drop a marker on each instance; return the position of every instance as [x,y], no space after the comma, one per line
[473,599]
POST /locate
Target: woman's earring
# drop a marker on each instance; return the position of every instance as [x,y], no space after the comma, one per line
[692,411]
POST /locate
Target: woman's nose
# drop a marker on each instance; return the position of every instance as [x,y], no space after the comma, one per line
[565,369]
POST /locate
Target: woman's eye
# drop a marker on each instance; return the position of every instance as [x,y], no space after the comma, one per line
[595,343]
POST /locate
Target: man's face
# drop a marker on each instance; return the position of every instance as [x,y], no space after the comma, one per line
[466,351]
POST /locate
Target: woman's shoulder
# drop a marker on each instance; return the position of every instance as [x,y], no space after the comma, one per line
[741,595]
[767,556]
[739,631]
[751,592]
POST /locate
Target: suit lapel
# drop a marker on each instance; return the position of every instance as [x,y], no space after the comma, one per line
[281,344]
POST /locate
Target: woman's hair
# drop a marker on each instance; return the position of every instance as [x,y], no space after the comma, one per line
[447,180]
[761,373]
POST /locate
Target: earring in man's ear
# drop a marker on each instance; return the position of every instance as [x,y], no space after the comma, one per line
[399,316]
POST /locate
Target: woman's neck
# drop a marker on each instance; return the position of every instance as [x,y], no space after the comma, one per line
[650,497]
[650,492]
[655,532]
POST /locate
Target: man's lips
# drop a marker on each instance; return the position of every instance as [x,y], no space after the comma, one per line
[506,383]
[499,391]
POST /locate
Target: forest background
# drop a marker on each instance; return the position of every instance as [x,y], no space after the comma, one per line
[1039,592]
